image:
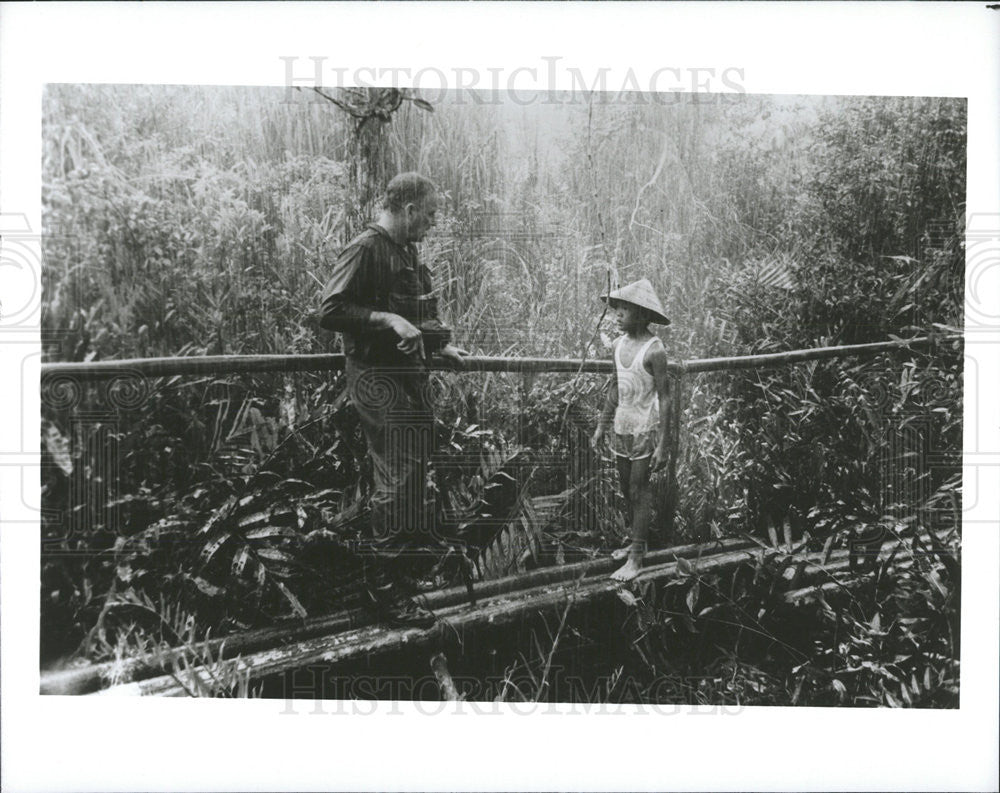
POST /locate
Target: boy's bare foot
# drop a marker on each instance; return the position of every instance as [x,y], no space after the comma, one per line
[627,571]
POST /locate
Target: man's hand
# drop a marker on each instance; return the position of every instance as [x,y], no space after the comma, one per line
[411,340]
[659,459]
[454,355]
[598,436]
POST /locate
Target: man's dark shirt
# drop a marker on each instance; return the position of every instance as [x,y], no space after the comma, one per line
[374,273]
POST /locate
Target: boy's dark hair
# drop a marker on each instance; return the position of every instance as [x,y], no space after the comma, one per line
[407,188]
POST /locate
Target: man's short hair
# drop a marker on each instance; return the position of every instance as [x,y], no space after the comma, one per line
[407,188]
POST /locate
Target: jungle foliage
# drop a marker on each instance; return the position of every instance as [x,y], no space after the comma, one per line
[193,221]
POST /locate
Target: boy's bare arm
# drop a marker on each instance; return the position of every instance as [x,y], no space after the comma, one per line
[657,360]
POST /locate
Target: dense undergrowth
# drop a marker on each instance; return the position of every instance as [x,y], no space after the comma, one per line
[738,638]
[192,221]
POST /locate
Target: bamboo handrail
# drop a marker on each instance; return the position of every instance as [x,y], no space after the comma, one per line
[242,364]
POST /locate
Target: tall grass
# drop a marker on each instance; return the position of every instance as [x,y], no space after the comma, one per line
[186,221]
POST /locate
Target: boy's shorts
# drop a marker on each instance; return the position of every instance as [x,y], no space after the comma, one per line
[635,447]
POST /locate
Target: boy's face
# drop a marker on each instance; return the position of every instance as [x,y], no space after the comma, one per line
[629,316]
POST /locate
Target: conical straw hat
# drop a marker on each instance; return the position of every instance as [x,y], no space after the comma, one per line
[641,294]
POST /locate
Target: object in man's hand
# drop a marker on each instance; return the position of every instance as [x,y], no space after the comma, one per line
[436,335]
[422,312]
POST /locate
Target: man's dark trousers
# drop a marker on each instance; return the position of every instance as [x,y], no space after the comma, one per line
[394,404]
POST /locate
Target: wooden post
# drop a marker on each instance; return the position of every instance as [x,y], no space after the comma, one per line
[527,382]
[676,386]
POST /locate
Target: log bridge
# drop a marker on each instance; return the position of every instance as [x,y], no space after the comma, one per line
[337,638]
[350,635]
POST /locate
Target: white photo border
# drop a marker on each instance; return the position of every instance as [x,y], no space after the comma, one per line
[94,743]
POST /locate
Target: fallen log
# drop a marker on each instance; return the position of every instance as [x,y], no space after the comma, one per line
[91,678]
[457,620]
[817,592]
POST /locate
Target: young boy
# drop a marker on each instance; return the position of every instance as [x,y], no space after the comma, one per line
[638,403]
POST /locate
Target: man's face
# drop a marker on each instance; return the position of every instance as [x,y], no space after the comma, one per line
[421,216]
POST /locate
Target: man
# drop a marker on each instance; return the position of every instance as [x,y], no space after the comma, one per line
[379,297]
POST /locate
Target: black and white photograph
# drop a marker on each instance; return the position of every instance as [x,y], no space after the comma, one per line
[400,392]
[612,398]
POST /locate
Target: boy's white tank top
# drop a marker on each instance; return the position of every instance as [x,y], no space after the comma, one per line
[638,406]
